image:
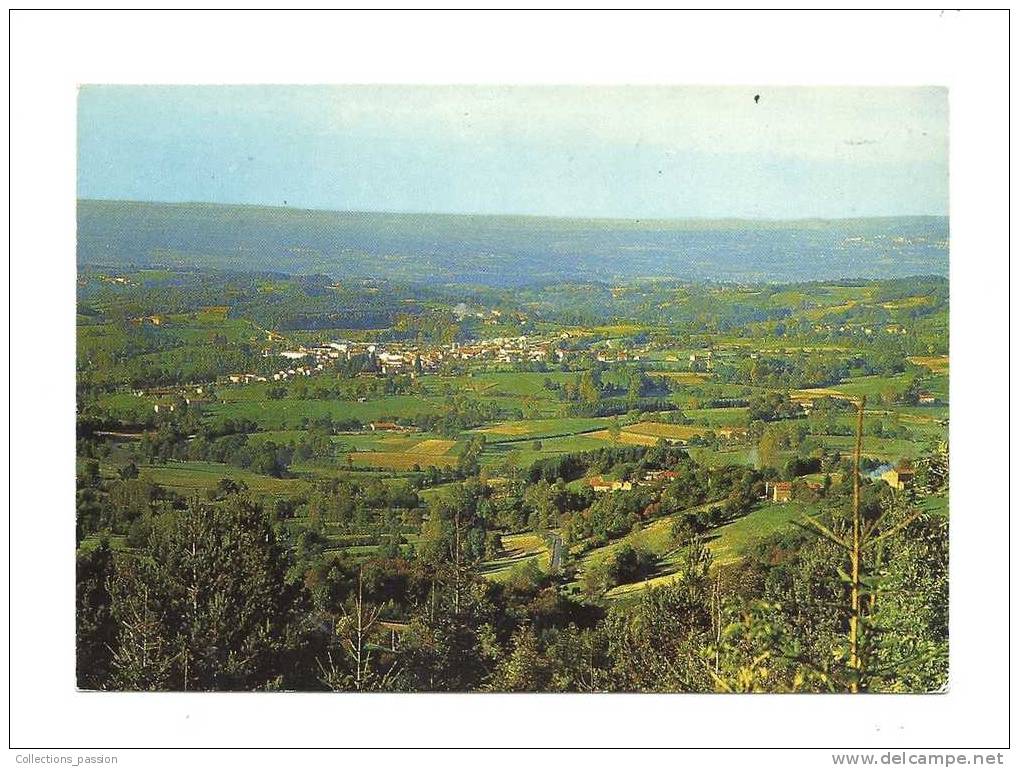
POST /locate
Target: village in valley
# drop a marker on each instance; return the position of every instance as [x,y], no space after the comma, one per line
[776,396]
[584,412]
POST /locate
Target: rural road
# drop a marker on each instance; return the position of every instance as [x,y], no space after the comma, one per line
[557,553]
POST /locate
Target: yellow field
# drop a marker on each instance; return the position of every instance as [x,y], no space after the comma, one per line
[403,461]
[654,581]
[622,329]
[625,438]
[479,387]
[683,377]
[509,428]
[668,431]
[433,447]
[213,313]
[516,544]
[936,364]
[912,301]
[921,419]
[810,394]
[817,314]
[517,548]
[648,433]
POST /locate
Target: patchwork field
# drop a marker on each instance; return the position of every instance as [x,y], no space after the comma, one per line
[397,451]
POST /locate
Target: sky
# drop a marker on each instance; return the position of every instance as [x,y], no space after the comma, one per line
[618,152]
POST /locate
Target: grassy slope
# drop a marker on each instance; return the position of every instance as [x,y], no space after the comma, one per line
[517,549]
[727,543]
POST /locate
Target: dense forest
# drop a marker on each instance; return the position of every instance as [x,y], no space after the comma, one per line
[224,593]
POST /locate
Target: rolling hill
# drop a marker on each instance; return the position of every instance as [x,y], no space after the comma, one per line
[504,250]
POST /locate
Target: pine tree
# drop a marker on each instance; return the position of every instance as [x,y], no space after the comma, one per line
[212,608]
[96,627]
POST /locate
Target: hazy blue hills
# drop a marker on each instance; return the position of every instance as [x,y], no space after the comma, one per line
[504,250]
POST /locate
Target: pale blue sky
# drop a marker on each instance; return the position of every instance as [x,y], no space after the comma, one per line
[633,152]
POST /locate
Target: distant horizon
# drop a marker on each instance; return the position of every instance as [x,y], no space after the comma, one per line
[593,152]
[476,214]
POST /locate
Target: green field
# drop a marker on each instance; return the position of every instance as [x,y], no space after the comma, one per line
[729,543]
[888,449]
[718,417]
[745,457]
[523,453]
[517,549]
[191,476]
[530,429]
[287,413]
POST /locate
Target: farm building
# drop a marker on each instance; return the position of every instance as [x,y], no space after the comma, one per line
[600,485]
[898,478]
[777,492]
[732,433]
[662,475]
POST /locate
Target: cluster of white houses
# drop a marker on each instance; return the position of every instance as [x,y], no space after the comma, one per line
[395,359]
[512,349]
[168,399]
[398,357]
[401,357]
[895,329]
[781,491]
[600,484]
